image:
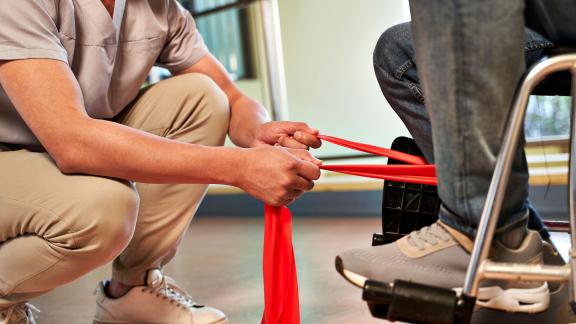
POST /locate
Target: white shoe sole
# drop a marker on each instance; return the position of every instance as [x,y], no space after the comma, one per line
[96,321]
[516,300]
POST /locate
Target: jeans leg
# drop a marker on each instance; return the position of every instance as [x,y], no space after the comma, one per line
[469,72]
[396,72]
[397,76]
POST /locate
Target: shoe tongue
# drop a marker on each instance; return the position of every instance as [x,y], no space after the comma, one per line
[154,278]
[513,238]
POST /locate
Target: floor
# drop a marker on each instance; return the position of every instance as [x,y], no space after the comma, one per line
[220,265]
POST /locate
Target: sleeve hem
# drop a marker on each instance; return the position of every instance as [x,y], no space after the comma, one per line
[193,59]
[33,53]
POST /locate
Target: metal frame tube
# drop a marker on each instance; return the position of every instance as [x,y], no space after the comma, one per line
[572,186]
[274,59]
[496,191]
[525,272]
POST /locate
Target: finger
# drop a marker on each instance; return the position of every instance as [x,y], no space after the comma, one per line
[306,156]
[302,184]
[294,195]
[309,170]
[293,127]
[308,139]
[288,141]
[288,201]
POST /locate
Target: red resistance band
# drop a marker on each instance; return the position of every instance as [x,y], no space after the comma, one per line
[418,171]
[281,304]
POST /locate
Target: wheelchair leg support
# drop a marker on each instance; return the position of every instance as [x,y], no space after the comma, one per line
[416,303]
[425,304]
[477,269]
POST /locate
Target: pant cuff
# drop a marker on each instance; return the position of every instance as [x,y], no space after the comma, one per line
[449,218]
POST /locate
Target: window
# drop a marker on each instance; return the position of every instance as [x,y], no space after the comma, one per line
[547,116]
[226,34]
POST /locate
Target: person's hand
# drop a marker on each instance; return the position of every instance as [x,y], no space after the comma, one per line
[288,134]
[277,175]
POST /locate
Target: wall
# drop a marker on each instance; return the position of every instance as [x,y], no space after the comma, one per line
[331,85]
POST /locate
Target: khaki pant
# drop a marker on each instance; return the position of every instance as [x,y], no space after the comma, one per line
[55,227]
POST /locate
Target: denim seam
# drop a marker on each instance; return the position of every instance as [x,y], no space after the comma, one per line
[402,69]
[531,46]
[459,95]
[413,87]
[416,91]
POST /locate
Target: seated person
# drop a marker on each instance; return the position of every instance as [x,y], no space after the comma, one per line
[93,169]
[396,71]
[467,73]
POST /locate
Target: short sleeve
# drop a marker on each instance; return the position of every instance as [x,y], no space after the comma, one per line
[27,30]
[184,44]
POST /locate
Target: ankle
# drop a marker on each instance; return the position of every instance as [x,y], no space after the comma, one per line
[514,237]
[116,289]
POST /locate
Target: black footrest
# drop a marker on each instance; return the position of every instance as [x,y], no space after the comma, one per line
[378,239]
[381,239]
[417,303]
[406,207]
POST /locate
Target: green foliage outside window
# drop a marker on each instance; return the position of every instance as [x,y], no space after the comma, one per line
[547,116]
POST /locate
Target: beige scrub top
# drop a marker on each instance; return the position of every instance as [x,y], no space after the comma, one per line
[110,56]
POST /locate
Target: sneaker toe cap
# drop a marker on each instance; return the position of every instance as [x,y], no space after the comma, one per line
[208,315]
[373,263]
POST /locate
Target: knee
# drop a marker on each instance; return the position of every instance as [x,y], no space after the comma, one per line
[110,211]
[209,102]
[393,49]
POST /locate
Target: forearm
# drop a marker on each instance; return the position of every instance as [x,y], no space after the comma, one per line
[108,149]
[246,116]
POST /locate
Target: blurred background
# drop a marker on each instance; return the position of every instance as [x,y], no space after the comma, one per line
[311,61]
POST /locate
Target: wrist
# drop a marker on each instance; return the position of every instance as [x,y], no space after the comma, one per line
[234,163]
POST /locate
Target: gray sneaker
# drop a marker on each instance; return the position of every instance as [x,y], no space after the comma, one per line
[439,255]
[23,313]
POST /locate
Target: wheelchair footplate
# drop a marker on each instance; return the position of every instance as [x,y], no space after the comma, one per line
[417,303]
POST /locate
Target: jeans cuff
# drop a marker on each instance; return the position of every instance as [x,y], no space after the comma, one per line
[449,218]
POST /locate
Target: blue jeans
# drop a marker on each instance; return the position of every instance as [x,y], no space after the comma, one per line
[470,83]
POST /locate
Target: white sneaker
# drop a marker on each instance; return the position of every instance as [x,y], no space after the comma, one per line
[19,314]
[160,301]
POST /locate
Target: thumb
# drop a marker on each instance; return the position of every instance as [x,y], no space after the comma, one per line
[305,155]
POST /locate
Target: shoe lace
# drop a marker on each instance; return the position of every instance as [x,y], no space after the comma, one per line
[428,235]
[19,313]
[169,290]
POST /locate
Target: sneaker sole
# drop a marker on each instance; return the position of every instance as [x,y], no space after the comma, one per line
[222,321]
[515,300]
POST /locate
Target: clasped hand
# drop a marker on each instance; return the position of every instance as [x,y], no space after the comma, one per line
[279,168]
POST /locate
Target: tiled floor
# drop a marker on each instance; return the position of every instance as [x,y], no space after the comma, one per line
[220,264]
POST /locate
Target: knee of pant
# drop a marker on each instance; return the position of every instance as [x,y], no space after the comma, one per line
[392,48]
[110,211]
[213,108]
